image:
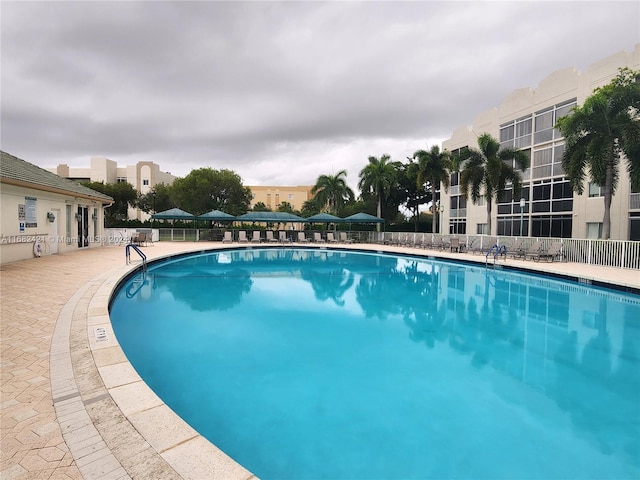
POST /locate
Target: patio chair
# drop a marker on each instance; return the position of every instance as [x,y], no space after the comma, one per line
[302,238]
[344,238]
[483,246]
[317,237]
[534,250]
[454,244]
[228,237]
[242,237]
[517,250]
[256,237]
[282,237]
[270,237]
[550,254]
[331,238]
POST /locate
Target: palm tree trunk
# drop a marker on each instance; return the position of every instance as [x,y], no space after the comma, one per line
[379,210]
[608,189]
[488,200]
[434,216]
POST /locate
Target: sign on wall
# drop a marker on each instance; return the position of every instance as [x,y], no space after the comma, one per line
[31,212]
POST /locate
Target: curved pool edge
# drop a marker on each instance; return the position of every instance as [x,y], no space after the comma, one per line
[106,411]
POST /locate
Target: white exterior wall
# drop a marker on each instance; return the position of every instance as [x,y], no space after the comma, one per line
[54,236]
[558,87]
[107,171]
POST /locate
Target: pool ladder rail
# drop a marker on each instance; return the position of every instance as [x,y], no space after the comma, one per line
[497,251]
[137,249]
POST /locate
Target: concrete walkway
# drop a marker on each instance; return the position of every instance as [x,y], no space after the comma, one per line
[72,407]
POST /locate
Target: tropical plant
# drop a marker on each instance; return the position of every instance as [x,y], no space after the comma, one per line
[378,178]
[332,191]
[433,169]
[486,172]
[206,189]
[124,196]
[597,134]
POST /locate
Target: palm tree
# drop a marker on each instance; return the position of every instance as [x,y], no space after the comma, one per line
[378,178]
[433,168]
[332,191]
[606,126]
[487,171]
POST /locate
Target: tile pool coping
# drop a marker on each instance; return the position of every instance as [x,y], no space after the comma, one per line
[116,427]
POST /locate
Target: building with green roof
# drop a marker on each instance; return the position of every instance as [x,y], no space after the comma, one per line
[44,214]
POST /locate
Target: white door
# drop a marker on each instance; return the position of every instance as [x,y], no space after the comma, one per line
[53,232]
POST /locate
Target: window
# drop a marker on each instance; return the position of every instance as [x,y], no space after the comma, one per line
[121,179]
[594,230]
[595,190]
[145,181]
[543,126]
[545,121]
[482,229]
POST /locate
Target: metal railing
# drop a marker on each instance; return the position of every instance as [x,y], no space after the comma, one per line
[610,253]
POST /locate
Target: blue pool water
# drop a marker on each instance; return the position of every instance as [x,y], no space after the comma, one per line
[320,364]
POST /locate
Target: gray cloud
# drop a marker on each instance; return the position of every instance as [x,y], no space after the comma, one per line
[280,92]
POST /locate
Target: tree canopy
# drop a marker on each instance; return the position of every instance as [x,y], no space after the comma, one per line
[379,177]
[599,134]
[433,169]
[332,191]
[124,196]
[206,189]
[487,170]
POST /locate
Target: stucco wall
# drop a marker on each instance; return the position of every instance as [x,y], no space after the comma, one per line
[56,236]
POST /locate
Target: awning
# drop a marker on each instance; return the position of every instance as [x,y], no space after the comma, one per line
[271,217]
[324,218]
[173,214]
[362,218]
[216,216]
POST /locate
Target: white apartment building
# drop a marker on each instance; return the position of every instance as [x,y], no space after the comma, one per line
[143,176]
[526,120]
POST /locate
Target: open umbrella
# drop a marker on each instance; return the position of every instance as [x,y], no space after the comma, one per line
[216,216]
[173,214]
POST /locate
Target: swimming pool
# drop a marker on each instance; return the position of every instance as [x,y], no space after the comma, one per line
[306,363]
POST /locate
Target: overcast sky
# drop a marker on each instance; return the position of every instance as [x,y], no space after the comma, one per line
[279,92]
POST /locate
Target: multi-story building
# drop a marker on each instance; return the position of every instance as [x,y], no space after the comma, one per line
[547,206]
[273,196]
[143,176]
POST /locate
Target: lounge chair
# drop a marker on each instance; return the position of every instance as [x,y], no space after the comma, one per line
[483,246]
[256,237]
[302,238]
[282,237]
[454,244]
[317,237]
[344,238]
[517,250]
[270,237]
[228,237]
[331,238]
[242,237]
[550,254]
[534,250]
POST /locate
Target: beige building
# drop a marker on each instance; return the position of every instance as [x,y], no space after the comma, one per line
[44,214]
[525,120]
[143,176]
[272,196]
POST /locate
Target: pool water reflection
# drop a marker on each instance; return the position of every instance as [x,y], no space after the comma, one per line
[306,363]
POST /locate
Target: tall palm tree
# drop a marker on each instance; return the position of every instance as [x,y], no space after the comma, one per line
[606,126]
[378,178]
[332,191]
[433,168]
[487,171]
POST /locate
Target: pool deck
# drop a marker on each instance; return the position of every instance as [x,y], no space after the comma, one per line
[72,406]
